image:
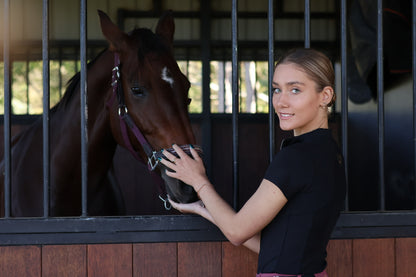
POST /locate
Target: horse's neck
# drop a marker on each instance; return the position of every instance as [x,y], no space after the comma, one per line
[99,131]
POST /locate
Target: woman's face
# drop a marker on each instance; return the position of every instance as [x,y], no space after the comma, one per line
[296,100]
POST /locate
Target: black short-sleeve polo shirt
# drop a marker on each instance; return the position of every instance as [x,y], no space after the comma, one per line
[309,170]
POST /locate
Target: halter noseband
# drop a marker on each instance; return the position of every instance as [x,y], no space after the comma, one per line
[127,121]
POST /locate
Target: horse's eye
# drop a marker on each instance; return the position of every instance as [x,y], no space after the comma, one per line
[189,101]
[138,91]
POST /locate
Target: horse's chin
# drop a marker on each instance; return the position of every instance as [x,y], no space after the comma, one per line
[178,190]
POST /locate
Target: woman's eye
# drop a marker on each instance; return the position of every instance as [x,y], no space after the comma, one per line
[276,90]
[138,91]
[295,90]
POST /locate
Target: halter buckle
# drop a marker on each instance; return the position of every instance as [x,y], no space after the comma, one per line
[116,69]
[122,110]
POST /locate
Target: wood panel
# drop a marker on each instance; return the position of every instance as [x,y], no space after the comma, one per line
[406,257]
[238,261]
[373,257]
[155,259]
[110,260]
[199,259]
[64,260]
[359,258]
[340,258]
[20,261]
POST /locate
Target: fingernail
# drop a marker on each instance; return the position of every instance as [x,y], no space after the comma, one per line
[190,145]
[160,158]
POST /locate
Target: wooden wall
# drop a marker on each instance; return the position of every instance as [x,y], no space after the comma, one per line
[387,257]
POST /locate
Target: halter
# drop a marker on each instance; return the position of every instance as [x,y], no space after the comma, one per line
[127,121]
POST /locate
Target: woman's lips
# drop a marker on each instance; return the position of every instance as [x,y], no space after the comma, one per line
[286,115]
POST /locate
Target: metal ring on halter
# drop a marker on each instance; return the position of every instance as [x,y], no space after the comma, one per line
[153,161]
[120,111]
[166,203]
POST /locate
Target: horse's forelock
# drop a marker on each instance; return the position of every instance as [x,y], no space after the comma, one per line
[147,42]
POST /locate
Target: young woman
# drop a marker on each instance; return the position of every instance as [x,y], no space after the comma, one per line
[290,218]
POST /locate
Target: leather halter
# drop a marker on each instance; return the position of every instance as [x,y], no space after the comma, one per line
[126,121]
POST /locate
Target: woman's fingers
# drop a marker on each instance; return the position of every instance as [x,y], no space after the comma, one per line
[169,155]
[195,154]
[179,151]
[187,208]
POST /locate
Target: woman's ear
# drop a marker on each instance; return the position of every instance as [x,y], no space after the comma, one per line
[327,95]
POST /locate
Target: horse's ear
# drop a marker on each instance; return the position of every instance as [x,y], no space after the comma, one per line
[112,33]
[166,28]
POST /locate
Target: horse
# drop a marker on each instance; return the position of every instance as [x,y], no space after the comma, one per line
[137,98]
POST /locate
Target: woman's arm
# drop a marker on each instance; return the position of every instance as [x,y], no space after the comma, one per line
[239,227]
[253,243]
[198,207]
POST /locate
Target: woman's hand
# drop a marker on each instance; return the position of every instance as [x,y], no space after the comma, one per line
[188,208]
[197,207]
[189,170]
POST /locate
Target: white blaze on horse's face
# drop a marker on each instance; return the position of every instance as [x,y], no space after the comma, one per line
[166,76]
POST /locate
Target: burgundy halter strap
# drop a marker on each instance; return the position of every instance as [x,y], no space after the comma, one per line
[127,121]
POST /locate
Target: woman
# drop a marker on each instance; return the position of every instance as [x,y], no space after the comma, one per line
[290,218]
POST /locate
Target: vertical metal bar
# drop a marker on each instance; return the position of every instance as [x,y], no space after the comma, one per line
[83,108]
[380,107]
[206,80]
[344,92]
[235,102]
[27,79]
[272,139]
[307,24]
[45,116]
[7,108]
[60,73]
[414,92]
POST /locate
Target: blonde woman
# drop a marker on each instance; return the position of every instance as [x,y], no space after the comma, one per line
[290,218]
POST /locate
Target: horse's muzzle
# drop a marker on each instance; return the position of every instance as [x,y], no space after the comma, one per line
[177,190]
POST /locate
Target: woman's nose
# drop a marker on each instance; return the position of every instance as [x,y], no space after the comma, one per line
[281,99]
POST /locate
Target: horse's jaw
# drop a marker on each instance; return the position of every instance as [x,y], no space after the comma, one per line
[178,191]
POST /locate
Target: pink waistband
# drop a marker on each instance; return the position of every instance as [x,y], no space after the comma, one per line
[322,274]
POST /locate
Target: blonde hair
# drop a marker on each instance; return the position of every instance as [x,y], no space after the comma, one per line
[315,64]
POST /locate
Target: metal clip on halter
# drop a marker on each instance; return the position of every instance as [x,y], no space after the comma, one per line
[166,203]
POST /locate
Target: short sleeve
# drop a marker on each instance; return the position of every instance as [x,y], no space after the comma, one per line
[290,170]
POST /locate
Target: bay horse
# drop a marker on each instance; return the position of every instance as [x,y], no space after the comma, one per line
[137,98]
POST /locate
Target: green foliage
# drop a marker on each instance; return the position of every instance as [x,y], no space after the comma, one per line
[27,85]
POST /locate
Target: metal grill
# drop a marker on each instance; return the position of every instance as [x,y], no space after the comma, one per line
[191,228]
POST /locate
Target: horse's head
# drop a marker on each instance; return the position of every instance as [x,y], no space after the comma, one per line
[152,91]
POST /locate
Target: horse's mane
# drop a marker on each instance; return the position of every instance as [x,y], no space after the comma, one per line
[72,86]
[147,41]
